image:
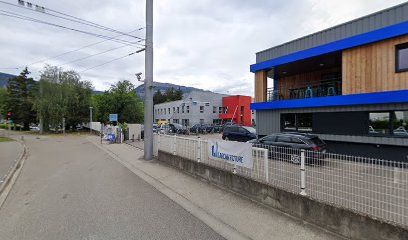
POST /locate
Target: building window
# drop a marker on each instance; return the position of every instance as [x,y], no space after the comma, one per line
[178,109]
[164,111]
[220,110]
[401,57]
[301,122]
[175,121]
[207,104]
[201,109]
[174,109]
[202,121]
[182,109]
[379,123]
[188,109]
[225,109]
[289,122]
[214,109]
[169,111]
[400,123]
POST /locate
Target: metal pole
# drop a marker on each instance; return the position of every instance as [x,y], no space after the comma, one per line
[148,84]
[90,120]
[302,173]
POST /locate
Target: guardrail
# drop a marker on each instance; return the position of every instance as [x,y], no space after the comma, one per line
[373,187]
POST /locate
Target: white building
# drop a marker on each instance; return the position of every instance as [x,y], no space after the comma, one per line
[195,107]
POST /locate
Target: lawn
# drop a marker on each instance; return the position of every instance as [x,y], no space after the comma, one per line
[5,139]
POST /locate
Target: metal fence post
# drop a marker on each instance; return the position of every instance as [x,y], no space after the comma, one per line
[174,145]
[266,165]
[302,173]
[199,150]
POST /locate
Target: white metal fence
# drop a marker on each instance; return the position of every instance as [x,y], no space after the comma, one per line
[375,187]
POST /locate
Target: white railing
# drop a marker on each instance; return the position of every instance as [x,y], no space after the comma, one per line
[375,187]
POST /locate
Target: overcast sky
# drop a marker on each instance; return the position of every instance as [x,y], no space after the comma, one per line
[207,44]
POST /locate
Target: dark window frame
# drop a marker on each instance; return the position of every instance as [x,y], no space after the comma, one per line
[397,48]
[296,123]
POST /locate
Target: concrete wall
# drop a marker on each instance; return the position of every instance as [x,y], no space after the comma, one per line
[341,221]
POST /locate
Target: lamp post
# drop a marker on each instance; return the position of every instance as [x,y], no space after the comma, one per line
[148,84]
[90,120]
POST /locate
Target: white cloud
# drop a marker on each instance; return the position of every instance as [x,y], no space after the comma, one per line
[207,44]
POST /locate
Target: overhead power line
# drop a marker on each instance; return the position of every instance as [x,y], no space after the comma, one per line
[71,18]
[76,50]
[10,14]
[115,59]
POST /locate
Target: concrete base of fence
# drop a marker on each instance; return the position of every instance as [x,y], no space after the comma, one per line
[338,220]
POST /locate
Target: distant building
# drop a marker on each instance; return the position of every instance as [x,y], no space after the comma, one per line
[236,109]
[196,107]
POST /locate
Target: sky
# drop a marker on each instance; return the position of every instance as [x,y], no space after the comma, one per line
[207,44]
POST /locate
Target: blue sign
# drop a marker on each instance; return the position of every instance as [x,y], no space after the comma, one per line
[113,117]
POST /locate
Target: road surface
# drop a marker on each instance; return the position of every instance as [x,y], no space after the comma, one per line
[69,189]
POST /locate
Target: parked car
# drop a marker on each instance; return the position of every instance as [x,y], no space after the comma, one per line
[226,125]
[177,128]
[238,133]
[197,128]
[208,128]
[280,145]
[217,128]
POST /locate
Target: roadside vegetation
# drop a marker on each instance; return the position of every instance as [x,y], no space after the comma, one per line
[61,94]
[6,139]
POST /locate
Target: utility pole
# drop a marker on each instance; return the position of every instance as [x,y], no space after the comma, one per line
[90,120]
[148,84]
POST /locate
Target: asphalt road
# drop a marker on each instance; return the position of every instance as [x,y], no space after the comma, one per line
[69,189]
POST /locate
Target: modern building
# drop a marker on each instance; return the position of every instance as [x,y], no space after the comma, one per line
[348,84]
[196,107]
[236,109]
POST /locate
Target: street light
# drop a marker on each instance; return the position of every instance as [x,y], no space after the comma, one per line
[90,120]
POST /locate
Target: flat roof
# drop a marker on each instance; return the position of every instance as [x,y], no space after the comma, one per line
[374,21]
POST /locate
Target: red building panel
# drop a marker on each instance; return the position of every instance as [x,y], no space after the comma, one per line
[236,108]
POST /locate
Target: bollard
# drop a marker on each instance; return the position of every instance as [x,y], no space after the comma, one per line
[302,173]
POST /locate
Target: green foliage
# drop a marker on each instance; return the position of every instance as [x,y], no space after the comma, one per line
[19,101]
[62,94]
[169,95]
[3,102]
[121,98]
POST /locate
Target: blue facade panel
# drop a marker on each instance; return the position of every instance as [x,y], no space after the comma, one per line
[354,41]
[400,96]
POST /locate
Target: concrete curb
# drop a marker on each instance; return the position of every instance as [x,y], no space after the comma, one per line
[214,223]
[13,174]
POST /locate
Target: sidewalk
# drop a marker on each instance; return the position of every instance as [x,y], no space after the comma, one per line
[230,215]
[9,153]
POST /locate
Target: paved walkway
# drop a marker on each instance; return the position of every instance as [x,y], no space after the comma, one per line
[222,210]
[9,152]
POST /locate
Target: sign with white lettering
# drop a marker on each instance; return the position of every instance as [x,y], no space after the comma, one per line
[236,153]
[113,117]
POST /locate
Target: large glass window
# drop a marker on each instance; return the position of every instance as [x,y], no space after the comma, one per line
[401,58]
[379,123]
[400,123]
[301,122]
[289,121]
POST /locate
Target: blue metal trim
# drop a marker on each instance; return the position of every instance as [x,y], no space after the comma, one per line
[333,101]
[361,39]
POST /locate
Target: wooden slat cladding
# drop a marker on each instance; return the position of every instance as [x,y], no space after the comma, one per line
[260,86]
[302,80]
[371,68]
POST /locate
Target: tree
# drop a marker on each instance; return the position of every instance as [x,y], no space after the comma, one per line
[62,95]
[3,102]
[21,92]
[158,97]
[121,98]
